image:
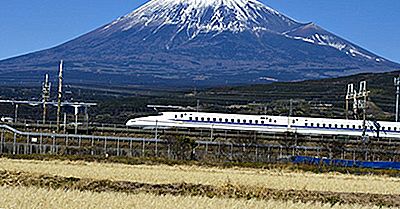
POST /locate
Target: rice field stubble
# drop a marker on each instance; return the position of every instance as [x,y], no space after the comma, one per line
[164,174]
[234,183]
[20,179]
[32,198]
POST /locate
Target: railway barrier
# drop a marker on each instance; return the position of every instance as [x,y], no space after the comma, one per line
[14,141]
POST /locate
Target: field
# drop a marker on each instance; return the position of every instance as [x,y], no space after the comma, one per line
[163,174]
[73,184]
[24,198]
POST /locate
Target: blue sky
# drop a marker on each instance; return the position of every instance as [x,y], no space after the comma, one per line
[31,25]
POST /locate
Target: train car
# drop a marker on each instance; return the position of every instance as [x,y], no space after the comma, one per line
[264,123]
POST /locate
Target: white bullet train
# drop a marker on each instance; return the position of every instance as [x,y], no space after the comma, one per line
[263,123]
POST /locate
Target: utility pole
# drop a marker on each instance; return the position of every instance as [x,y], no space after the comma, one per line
[356,105]
[156,131]
[397,85]
[60,79]
[46,96]
[76,112]
[349,96]
[87,118]
[65,122]
[16,113]
[290,113]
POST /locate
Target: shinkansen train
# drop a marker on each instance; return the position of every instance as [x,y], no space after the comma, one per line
[273,124]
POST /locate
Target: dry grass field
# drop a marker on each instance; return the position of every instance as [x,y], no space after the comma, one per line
[37,198]
[163,174]
[80,184]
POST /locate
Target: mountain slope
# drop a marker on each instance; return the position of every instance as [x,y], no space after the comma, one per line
[203,43]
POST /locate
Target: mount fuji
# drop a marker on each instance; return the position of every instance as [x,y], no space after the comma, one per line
[199,43]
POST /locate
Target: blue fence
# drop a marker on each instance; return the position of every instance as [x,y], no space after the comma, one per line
[346,163]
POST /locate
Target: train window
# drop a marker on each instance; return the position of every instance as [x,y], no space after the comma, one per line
[202,119]
[324,125]
[306,124]
[348,126]
[214,119]
[226,120]
[359,127]
[190,118]
[238,120]
[251,121]
[318,125]
[256,121]
[330,125]
[274,121]
[176,116]
[232,120]
[293,121]
[196,118]
[336,125]
[341,126]
[181,115]
[270,120]
[220,120]
[354,126]
[262,122]
[395,128]
[383,128]
[244,121]
[389,128]
[312,124]
[262,117]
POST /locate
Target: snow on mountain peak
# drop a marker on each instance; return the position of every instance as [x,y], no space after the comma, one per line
[194,17]
[202,16]
[205,3]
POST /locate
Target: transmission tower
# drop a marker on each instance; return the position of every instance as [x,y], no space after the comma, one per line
[360,99]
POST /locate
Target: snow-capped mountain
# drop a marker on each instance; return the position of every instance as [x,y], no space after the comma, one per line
[205,16]
[316,35]
[202,42]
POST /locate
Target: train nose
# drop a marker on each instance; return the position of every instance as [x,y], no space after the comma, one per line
[131,122]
